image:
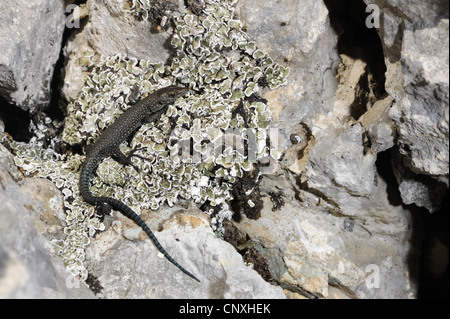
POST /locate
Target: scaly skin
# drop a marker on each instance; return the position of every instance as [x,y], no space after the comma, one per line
[145,111]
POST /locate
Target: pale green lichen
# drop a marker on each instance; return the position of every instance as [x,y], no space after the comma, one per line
[140,8]
[195,151]
[80,221]
[86,59]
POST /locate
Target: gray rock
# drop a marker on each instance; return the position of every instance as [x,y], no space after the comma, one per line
[28,266]
[422,115]
[378,126]
[334,231]
[27,270]
[108,32]
[128,269]
[338,168]
[8,170]
[296,34]
[30,42]
[415,40]
[310,247]
[331,169]
[421,190]
[124,34]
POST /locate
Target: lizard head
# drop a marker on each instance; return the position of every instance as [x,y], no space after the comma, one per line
[168,95]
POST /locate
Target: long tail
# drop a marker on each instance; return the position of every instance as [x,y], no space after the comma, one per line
[127,211]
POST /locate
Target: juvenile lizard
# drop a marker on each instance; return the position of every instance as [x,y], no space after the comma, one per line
[146,110]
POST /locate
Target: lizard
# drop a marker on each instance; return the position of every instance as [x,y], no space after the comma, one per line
[146,110]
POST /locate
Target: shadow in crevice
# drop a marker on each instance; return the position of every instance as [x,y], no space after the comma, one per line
[359,42]
[429,255]
[384,169]
[434,267]
[16,121]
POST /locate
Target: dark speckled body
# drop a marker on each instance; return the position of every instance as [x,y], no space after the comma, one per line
[146,110]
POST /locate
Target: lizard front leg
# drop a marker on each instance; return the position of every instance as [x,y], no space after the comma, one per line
[123,159]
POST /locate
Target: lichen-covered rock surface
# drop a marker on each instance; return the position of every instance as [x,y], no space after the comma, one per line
[226,72]
[304,162]
[29,266]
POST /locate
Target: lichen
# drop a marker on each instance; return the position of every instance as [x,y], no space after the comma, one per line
[195,151]
[81,224]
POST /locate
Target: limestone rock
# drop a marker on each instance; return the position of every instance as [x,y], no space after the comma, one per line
[421,190]
[338,168]
[415,40]
[30,42]
[28,267]
[422,115]
[310,248]
[124,34]
[332,173]
[379,127]
[297,34]
[128,269]
[330,226]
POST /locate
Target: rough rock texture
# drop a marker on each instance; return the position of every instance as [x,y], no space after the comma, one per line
[335,168]
[338,168]
[310,250]
[124,34]
[30,42]
[28,266]
[128,269]
[364,142]
[415,40]
[421,190]
[298,34]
